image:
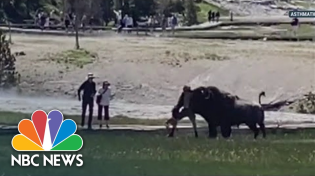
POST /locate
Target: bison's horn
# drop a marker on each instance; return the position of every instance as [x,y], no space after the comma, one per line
[208,94]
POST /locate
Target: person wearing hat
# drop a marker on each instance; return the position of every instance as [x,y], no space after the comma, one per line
[89,90]
[103,100]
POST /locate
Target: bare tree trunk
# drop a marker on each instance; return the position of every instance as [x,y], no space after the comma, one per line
[80,7]
[77,43]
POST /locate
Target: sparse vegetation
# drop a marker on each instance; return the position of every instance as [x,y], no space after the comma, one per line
[215,57]
[179,59]
[307,104]
[78,58]
[8,76]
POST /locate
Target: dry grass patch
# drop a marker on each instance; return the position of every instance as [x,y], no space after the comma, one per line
[78,58]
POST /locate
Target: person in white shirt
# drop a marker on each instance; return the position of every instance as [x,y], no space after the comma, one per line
[118,17]
[125,20]
[130,22]
[103,101]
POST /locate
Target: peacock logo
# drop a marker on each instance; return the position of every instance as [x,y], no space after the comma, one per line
[47,133]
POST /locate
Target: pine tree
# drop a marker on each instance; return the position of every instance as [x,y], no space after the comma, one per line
[191,13]
[8,76]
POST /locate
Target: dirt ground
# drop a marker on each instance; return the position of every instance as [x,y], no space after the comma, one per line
[153,70]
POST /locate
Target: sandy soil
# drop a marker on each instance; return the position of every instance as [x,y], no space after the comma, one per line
[148,73]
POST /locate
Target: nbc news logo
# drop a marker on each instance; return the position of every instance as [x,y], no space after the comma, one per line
[47,133]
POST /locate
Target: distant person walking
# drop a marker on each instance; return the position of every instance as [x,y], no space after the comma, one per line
[118,15]
[103,100]
[164,23]
[217,15]
[174,23]
[84,22]
[150,23]
[210,16]
[37,18]
[295,26]
[72,20]
[89,90]
[47,21]
[125,21]
[119,23]
[129,23]
[67,22]
[42,20]
[91,20]
[213,16]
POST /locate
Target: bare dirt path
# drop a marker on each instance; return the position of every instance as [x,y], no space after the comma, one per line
[147,73]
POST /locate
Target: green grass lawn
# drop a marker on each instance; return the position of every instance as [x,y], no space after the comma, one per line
[13,118]
[304,29]
[303,32]
[306,5]
[204,9]
[151,153]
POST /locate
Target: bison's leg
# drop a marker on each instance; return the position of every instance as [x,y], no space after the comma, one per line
[192,117]
[212,131]
[172,122]
[194,124]
[172,132]
[254,128]
[263,129]
[226,131]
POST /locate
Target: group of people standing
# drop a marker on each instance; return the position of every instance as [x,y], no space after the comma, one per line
[103,98]
[170,21]
[213,16]
[125,22]
[42,19]
[69,20]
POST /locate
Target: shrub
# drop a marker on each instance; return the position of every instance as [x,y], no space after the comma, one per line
[8,76]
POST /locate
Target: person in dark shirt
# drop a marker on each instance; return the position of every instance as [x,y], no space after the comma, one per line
[89,91]
[42,21]
[217,15]
[213,16]
[67,22]
[295,26]
[210,16]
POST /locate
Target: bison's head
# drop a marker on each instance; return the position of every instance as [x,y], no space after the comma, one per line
[203,93]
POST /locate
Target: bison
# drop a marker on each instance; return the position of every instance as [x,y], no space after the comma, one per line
[218,108]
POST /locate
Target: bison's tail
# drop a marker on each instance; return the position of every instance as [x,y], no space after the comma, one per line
[262,94]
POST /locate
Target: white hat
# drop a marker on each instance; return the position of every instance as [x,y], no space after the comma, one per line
[90,75]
